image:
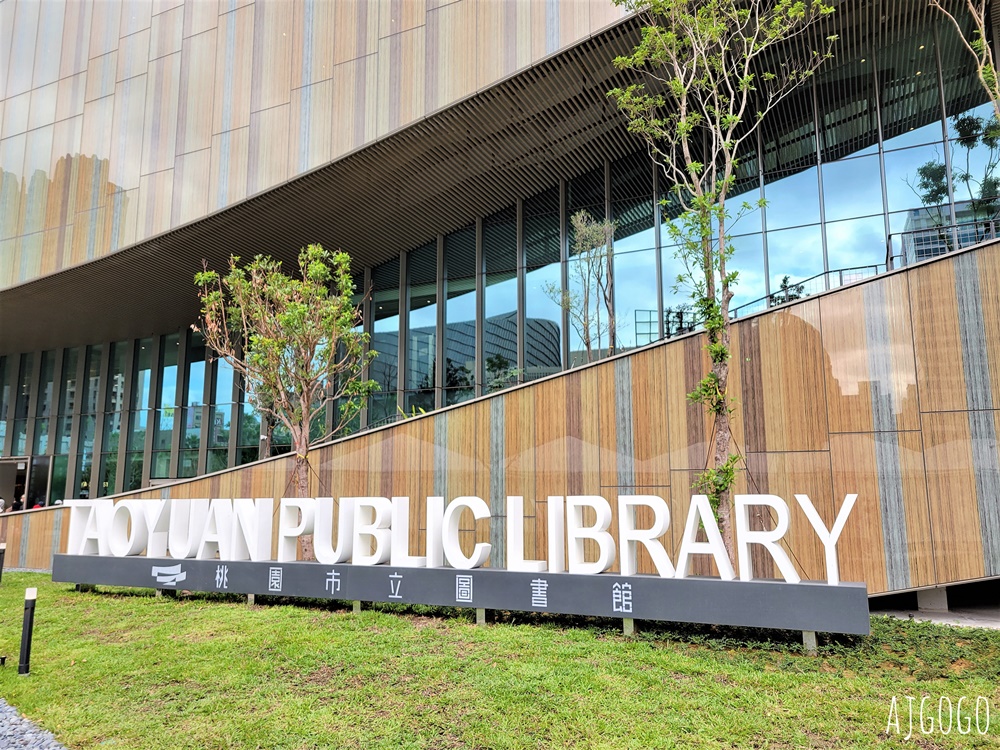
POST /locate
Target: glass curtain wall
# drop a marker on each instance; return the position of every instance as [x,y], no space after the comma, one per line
[459,316]
[193,411]
[385,340]
[500,365]
[90,392]
[543,325]
[142,402]
[114,413]
[63,448]
[422,325]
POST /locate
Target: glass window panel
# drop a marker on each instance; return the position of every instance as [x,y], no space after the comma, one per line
[418,402]
[382,409]
[851,188]
[24,386]
[92,378]
[795,253]
[169,349]
[41,436]
[249,435]
[86,444]
[141,385]
[632,202]
[109,466]
[856,245]
[133,471]
[748,261]
[195,370]
[460,333]
[191,437]
[458,395]
[67,399]
[911,104]
[57,489]
[421,340]
[958,121]
[43,405]
[384,369]
[112,431]
[116,377]
[975,157]
[246,456]
[500,240]
[160,467]
[137,435]
[915,178]
[921,233]
[64,431]
[500,331]
[163,434]
[792,198]
[83,466]
[635,294]
[541,228]
[5,386]
[38,483]
[218,460]
[20,438]
[224,382]
[543,324]
[187,465]
[221,421]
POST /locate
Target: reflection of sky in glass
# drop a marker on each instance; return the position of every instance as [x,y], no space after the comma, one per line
[635,289]
[797,253]
[901,178]
[793,200]
[851,188]
[857,242]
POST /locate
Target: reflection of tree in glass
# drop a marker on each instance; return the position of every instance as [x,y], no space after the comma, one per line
[500,373]
[589,299]
[976,184]
[787,293]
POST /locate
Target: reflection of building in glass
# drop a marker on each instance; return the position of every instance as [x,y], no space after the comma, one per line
[927,233]
[451,188]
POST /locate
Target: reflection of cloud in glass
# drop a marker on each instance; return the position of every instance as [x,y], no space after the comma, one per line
[796,253]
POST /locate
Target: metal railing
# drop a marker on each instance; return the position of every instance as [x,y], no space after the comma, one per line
[906,248]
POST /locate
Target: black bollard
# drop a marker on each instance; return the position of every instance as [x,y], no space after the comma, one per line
[30,595]
[3,554]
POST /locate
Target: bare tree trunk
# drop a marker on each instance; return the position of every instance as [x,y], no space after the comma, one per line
[302,485]
[723,441]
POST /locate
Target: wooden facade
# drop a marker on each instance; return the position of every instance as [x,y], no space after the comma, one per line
[884,389]
[120,120]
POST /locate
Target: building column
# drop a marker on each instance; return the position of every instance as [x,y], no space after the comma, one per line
[154,394]
[564,270]
[479,319]
[521,297]
[102,405]
[128,376]
[441,321]
[179,394]
[404,329]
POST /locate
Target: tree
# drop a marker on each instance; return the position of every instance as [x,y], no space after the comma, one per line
[296,342]
[978,46]
[974,181]
[591,283]
[712,70]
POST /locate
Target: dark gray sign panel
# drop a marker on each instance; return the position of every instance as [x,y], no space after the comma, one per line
[757,604]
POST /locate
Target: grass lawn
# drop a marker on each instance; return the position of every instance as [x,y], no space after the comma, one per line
[123,669]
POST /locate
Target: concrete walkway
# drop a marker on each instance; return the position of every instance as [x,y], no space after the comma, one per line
[977,617]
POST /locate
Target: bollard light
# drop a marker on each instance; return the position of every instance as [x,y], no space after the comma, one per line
[30,595]
[3,554]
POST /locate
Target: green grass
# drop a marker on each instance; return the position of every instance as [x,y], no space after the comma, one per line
[123,669]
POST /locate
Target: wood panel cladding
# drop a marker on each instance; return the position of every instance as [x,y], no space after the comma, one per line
[267,90]
[842,394]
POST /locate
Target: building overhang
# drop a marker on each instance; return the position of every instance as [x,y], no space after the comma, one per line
[471,159]
[512,140]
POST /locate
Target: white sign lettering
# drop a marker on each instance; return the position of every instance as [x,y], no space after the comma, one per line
[376,531]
